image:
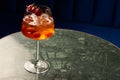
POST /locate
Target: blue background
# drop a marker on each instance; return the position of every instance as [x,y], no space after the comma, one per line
[97,17]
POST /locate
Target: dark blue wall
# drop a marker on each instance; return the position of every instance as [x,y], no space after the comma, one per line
[98,17]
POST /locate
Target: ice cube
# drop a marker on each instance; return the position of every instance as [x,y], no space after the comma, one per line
[35,20]
[31,19]
[44,19]
[27,19]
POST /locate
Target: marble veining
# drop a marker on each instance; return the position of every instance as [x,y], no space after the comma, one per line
[72,55]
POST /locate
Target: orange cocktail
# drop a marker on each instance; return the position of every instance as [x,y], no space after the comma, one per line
[37,26]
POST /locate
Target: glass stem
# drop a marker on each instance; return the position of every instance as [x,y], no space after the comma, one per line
[38,55]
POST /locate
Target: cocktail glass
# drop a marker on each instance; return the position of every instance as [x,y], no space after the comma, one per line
[37,24]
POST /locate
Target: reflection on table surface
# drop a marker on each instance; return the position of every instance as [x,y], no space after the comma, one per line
[72,55]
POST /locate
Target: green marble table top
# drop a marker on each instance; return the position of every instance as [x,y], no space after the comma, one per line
[72,55]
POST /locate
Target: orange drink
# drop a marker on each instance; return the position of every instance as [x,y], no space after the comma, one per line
[38,27]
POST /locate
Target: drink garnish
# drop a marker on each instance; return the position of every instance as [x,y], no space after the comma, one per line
[34,9]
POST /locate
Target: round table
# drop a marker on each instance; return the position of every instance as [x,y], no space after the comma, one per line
[72,55]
